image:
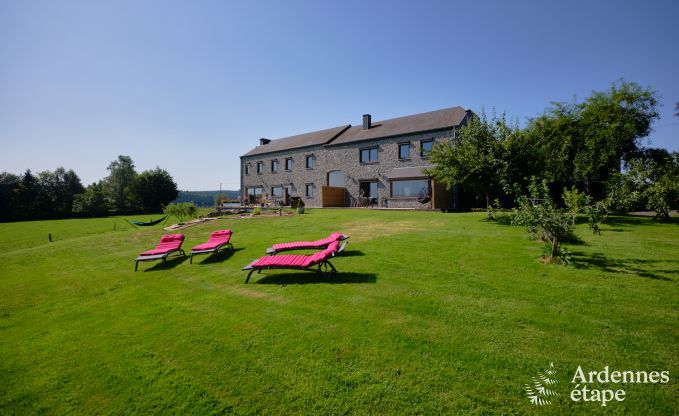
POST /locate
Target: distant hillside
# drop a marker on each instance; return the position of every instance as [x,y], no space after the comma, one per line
[204,198]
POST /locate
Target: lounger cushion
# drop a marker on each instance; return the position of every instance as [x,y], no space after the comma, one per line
[308,244]
[168,243]
[293,260]
[288,260]
[217,239]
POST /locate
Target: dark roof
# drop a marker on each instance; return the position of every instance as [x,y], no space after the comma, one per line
[301,140]
[433,120]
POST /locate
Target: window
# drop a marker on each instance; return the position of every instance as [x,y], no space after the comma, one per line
[404,151]
[310,162]
[288,163]
[260,167]
[411,188]
[247,168]
[254,194]
[277,191]
[309,190]
[369,155]
[289,189]
[336,178]
[368,189]
[425,147]
[274,166]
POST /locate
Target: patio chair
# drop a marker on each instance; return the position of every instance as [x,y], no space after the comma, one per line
[218,239]
[170,243]
[306,245]
[318,262]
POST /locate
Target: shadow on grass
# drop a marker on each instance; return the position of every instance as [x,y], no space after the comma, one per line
[171,263]
[217,257]
[303,278]
[639,267]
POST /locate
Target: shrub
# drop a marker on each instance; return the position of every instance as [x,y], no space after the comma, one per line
[181,210]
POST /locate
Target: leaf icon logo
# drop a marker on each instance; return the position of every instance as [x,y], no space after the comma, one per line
[538,393]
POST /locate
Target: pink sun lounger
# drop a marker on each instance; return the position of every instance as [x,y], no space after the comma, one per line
[170,243]
[218,240]
[306,245]
[318,262]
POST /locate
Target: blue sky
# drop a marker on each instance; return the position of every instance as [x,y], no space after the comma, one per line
[191,85]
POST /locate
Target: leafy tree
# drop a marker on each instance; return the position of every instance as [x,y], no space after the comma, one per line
[575,201]
[56,191]
[545,221]
[94,200]
[553,141]
[9,194]
[584,142]
[651,183]
[29,193]
[119,184]
[181,210]
[476,158]
[612,124]
[154,189]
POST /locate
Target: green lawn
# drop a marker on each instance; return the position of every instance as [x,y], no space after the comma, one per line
[431,313]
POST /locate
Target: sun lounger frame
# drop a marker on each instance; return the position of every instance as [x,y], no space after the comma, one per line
[209,251]
[154,257]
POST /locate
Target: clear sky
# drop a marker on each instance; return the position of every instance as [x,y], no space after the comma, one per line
[191,85]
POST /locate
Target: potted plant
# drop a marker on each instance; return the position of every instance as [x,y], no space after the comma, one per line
[300,207]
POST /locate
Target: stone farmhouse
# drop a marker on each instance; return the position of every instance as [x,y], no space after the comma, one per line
[376,164]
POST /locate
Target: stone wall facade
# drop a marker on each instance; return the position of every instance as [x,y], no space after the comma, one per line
[345,158]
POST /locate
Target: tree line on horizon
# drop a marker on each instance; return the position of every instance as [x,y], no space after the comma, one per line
[60,194]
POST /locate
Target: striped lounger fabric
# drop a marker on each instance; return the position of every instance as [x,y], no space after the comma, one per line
[306,245]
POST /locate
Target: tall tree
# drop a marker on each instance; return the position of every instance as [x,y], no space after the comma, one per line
[120,181]
[475,158]
[612,124]
[154,189]
[586,141]
[93,201]
[9,194]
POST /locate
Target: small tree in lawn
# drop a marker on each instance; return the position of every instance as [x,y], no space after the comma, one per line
[181,210]
[545,221]
[576,202]
[475,158]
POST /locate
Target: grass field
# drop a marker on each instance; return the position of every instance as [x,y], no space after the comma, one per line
[431,313]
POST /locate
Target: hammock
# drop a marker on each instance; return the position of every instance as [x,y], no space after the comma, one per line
[146,224]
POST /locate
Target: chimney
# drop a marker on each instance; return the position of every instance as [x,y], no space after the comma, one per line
[366,122]
[264,141]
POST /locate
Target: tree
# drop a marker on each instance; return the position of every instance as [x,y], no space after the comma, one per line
[585,142]
[546,222]
[29,193]
[476,158]
[9,194]
[154,189]
[94,200]
[120,181]
[56,191]
[180,210]
[612,124]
